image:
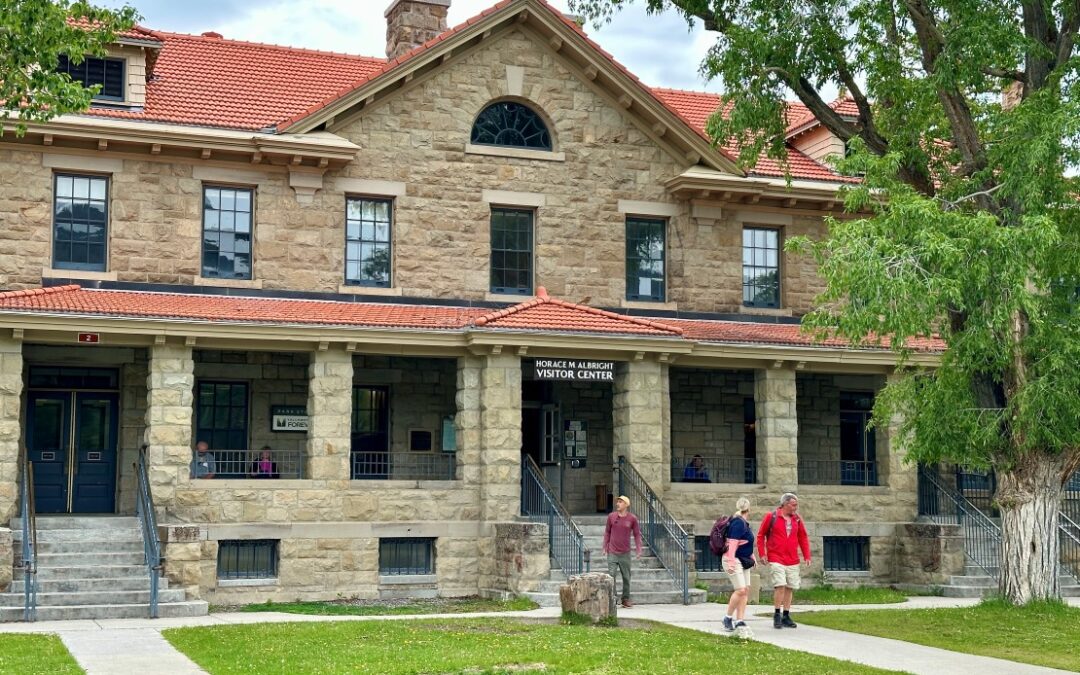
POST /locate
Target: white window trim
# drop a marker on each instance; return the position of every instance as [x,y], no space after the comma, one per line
[514,153]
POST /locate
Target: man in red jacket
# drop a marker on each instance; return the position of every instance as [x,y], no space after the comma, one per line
[780,538]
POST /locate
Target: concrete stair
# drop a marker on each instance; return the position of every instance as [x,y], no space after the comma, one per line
[91,567]
[650,583]
[976,583]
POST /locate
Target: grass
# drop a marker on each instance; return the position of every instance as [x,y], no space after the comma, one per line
[1045,634]
[36,654]
[477,646]
[362,608]
[833,595]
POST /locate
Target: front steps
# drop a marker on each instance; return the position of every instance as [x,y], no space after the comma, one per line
[976,583]
[91,567]
[650,583]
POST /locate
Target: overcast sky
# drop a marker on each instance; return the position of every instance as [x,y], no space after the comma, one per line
[659,49]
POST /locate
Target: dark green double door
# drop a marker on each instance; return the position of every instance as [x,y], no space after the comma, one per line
[71,440]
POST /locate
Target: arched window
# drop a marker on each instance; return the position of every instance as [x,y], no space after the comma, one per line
[511,124]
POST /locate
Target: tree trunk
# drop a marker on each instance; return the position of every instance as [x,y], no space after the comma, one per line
[1029,497]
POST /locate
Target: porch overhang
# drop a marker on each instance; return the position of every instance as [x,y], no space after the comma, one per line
[707,187]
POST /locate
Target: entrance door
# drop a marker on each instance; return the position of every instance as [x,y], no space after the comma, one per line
[550,446]
[71,439]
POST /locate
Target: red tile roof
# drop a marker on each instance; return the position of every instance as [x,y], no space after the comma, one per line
[136,32]
[547,313]
[541,314]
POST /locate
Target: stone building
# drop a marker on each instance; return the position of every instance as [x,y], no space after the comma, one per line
[407,278]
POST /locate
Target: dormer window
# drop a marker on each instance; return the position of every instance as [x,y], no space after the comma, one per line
[511,125]
[109,73]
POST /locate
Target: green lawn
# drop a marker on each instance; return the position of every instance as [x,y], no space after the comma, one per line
[346,608]
[832,595]
[477,646]
[27,654]
[1044,635]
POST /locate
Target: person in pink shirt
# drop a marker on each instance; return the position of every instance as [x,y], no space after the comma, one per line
[621,525]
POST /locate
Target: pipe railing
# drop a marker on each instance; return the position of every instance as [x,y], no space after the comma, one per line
[945,505]
[1069,538]
[144,510]
[540,505]
[667,539]
[29,541]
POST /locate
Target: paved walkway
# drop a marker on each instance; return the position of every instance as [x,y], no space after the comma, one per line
[127,646]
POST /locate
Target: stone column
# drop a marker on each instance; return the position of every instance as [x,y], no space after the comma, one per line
[901,477]
[170,395]
[11,388]
[467,421]
[500,437]
[777,428]
[329,409]
[639,402]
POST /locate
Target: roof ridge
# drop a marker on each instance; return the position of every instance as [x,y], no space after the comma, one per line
[44,290]
[542,298]
[267,45]
[695,92]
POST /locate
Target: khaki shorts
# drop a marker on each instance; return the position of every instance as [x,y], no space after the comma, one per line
[785,575]
[741,577]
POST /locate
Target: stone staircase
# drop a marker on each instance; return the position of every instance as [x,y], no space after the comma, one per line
[650,583]
[91,567]
[976,583]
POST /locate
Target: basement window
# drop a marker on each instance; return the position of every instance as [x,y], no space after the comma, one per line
[406,556]
[248,559]
[847,554]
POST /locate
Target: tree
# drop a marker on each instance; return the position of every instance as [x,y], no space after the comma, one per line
[969,226]
[33,35]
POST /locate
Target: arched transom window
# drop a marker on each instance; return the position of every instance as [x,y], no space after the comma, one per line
[511,124]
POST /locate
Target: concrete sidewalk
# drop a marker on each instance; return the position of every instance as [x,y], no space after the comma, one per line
[127,646]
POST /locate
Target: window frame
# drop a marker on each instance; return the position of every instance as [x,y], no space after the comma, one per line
[859,554]
[537,119]
[531,252]
[662,223]
[428,556]
[85,64]
[209,433]
[251,191]
[779,302]
[252,545]
[68,264]
[360,242]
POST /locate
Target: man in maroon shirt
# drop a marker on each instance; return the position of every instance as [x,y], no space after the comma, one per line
[780,538]
[620,526]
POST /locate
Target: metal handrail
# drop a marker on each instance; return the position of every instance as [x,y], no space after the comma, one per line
[667,539]
[1069,540]
[29,541]
[144,509]
[982,536]
[540,505]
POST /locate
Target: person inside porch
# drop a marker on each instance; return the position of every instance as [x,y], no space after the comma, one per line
[695,471]
[264,466]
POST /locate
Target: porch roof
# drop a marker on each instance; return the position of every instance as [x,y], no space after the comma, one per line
[539,315]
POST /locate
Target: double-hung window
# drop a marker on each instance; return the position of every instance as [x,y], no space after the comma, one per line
[80,222]
[367,241]
[511,251]
[761,267]
[227,225]
[645,243]
[107,73]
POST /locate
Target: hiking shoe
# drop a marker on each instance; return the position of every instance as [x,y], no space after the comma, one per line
[786,622]
[777,622]
[743,631]
[728,624]
[626,603]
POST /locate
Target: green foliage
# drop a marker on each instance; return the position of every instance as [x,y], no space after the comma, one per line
[576,619]
[483,646]
[1043,633]
[33,35]
[349,608]
[36,654]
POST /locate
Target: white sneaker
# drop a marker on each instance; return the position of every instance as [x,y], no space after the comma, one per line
[743,631]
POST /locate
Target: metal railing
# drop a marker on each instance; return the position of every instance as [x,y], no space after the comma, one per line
[945,505]
[144,510]
[403,466]
[665,537]
[29,540]
[540,505]
[250,464]
[1069,538]
[837,472]
[713,469]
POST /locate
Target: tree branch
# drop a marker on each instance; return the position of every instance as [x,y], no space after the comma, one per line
[1006,74]
[1070,24]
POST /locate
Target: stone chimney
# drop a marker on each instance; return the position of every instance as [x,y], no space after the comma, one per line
[411,23]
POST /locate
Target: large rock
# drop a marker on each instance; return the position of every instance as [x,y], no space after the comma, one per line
[591,595]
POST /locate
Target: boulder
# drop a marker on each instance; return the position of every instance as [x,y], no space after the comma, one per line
[591,595]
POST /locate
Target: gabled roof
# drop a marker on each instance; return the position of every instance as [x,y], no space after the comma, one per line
[546,313]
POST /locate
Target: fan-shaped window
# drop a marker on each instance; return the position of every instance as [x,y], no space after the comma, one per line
[511,124]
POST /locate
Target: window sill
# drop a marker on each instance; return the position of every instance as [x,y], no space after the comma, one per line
[228,283]
[383,484]
[246,583]
[765,311]
[649,304]
[511,298]
[515,153]
[55,273]
[407,579]
[349,289]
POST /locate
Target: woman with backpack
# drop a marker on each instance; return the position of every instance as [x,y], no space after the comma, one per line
[738,559]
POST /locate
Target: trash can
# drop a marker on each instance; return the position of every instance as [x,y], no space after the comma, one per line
[601,498]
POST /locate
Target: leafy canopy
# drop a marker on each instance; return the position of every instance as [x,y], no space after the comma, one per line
[33,35]
[967,224]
